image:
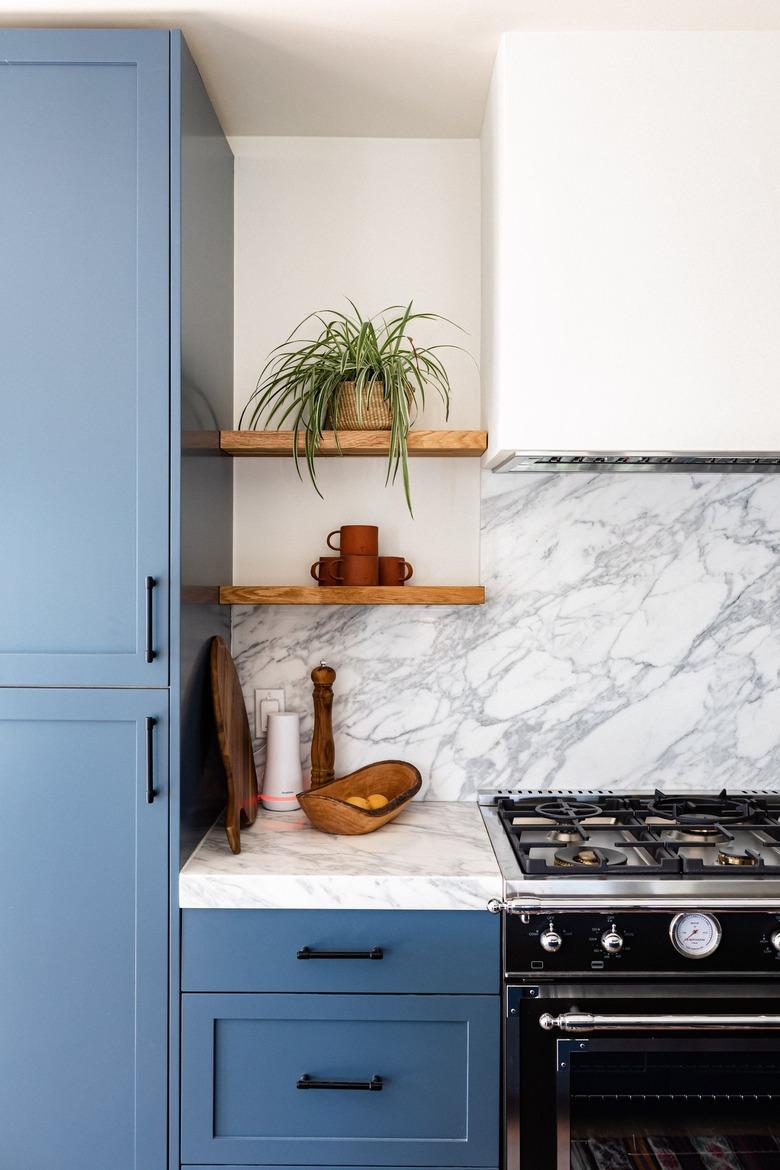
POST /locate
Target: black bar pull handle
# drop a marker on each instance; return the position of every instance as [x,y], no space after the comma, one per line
[374,953]
[150,651]
[372,1086]
[151,791]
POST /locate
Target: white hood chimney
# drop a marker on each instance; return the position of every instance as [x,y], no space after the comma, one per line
[631,244]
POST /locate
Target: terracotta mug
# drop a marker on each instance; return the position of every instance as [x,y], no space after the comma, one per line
[356,540]
[322,571]
[356,570]
[394,570]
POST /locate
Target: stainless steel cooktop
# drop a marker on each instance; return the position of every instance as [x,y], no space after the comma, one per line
[583,845]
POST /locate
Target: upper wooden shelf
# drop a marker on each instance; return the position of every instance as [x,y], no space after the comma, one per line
[352,595]
[441,444]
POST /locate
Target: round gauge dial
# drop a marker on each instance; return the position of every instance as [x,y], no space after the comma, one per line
[695,935]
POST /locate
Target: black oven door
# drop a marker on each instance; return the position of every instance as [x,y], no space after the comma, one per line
[670,1077]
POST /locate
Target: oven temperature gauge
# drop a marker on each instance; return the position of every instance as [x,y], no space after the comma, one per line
[695,935]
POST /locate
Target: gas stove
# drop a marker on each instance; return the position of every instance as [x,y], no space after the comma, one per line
[650,850]
[641,955]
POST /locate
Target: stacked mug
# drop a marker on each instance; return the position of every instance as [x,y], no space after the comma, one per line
[358,561]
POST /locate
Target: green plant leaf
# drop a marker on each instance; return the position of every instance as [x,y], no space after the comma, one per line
[303,379]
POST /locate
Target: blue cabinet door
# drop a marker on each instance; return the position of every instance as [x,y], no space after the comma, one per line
[84,339]
[283,1079]
[83,922]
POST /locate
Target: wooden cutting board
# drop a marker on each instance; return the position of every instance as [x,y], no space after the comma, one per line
[235,743]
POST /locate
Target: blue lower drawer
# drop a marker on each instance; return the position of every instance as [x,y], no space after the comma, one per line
[441,952]
[244,1056]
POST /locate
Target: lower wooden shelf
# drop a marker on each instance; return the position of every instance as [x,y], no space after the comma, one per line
[352,595]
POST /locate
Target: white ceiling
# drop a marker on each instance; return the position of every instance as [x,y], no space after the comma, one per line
[385,68]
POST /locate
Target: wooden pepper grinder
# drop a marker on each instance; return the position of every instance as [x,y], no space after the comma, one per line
[323,749]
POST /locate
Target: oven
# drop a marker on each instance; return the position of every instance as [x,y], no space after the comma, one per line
[632,1075]
[641,960]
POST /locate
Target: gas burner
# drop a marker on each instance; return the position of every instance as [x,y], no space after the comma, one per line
[568,817]
[589,856]
[736,856]
[566,835]
[696,835]
[696,813]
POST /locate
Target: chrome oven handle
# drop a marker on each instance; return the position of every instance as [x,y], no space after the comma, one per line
[585,1022]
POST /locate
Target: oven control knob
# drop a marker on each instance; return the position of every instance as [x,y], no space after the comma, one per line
[611,941]
[775,940]
[551,941]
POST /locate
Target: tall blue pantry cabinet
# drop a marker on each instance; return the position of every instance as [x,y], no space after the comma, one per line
[115,530]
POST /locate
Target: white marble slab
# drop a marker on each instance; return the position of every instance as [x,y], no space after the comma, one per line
[434,856]
[630,640]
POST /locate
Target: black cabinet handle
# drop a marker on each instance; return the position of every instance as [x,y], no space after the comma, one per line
[151,791]
[150,651]
[374,953]
[372,1086]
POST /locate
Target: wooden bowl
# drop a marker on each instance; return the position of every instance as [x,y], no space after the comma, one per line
[326,805]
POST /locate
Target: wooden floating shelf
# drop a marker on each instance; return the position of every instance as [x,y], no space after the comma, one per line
[352,595]
[441,444]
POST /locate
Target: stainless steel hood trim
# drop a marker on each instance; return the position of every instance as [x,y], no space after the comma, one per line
[547,462]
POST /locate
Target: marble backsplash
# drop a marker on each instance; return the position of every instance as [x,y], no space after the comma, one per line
[631,639]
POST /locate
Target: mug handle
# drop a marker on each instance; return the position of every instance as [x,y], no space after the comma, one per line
[408,570]
[335,547]
[337,565]
[315,571]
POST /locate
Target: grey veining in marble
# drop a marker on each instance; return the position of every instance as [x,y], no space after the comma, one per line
[432,857]
[631,638]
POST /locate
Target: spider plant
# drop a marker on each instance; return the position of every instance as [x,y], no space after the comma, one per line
[303,382]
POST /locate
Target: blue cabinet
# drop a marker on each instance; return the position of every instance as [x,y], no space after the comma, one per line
[278,1079]
[84,598]
[83,864]
[115,204]
[425,1018]
[84,337]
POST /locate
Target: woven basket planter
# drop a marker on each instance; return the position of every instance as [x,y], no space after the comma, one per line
[376,414]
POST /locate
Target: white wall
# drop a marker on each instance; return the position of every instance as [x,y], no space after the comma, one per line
[632,260]
[380,221]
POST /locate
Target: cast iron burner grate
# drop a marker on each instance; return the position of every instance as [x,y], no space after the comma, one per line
[700,811]
[656,835]
[567,811]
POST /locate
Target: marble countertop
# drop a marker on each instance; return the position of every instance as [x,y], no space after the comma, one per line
[435,856]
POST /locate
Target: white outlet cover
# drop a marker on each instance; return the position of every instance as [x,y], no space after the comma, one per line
[265,698]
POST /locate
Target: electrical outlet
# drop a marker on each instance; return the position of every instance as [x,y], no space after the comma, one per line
[266,701]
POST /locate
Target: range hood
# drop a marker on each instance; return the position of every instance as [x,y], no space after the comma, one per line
[631,252]
[563,461]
